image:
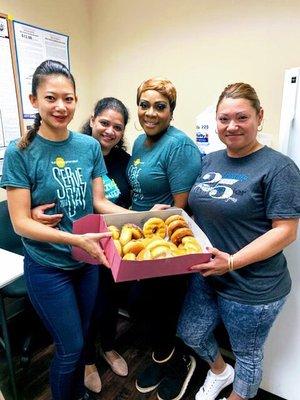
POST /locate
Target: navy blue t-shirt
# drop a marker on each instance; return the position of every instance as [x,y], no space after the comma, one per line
[234,201]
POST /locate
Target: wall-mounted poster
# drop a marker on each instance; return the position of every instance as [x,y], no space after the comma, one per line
[33,46]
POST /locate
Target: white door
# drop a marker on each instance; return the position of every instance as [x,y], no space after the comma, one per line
[282,353]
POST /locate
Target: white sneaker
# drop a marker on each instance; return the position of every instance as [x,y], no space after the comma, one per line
[215,383]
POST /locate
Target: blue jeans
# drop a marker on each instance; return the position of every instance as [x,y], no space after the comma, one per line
[247,326]
[64,300]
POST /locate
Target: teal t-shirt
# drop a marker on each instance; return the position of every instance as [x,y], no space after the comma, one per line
[112,192]
[169,167]
[60,173]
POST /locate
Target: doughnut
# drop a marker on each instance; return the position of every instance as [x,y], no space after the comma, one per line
[150,239]
[134,246]
[137,233]
[161,252]
[190,239]
[172,246]
[178,252]
[173,218]
[190,243]
[145,254]
[154,226]
[158,242]
[129,257]
[126,235]
[115,231]
[180,233]
[118,246]
[178,223]
[192,248]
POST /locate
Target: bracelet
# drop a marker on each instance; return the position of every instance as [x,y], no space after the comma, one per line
[230,263]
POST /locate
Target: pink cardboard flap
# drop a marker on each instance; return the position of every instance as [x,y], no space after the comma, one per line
[124,270]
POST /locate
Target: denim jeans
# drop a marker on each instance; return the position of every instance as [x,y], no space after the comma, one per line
[64,300]
[247,326]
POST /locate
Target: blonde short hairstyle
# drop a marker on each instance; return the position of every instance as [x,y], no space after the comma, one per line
[161,85]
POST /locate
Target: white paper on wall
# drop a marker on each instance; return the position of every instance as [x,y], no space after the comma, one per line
[206,136]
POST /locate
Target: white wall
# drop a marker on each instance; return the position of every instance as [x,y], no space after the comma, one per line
[200,45]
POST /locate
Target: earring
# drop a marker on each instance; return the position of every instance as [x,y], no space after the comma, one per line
[260,127]
[138,128]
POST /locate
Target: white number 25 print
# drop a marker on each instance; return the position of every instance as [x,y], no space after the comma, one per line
[217,186]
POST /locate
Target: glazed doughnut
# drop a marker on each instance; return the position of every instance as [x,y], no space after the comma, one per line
[137,233]
[176,224]
[191,243]
[180,233]
[190,239]
[192,248]
[178,252]
[145,254]
[134,246]
[173,218]
[150,239]
[129,257]
[115,231]
[161,252]
[118,247]
[172,246]
[154,226]
[126,235]
[158,242]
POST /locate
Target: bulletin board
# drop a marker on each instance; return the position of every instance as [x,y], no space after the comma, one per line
[33,46]
[10,106]
[22,48]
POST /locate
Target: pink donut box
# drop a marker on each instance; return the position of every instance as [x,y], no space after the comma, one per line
[124,270]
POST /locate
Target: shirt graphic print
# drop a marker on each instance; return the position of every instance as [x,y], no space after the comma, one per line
[71,185]
[221,187]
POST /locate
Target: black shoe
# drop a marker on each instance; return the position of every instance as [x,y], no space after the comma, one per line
[151,377]
[86,396]
[178,375]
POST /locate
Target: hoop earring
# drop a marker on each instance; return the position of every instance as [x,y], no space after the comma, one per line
[260,127]
[139,129]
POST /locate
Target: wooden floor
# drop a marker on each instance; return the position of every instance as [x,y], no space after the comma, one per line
[33,381]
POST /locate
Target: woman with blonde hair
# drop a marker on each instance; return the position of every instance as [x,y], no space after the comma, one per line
[162,169]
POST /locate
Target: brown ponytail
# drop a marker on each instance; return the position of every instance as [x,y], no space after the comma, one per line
[31,133]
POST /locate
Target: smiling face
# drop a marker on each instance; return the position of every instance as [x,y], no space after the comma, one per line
[154,112]
[237,123]
[55,101]
[108,128]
